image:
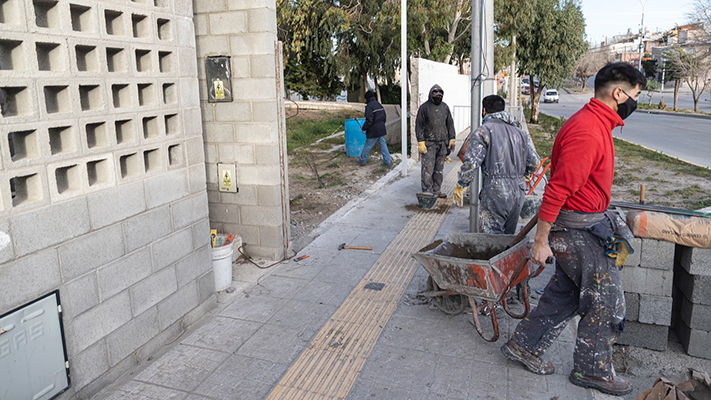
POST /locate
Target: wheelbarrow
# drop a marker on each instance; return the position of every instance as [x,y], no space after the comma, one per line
[477,266]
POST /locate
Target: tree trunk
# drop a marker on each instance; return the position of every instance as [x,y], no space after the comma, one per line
[377,90]
[535,97]
[677,83]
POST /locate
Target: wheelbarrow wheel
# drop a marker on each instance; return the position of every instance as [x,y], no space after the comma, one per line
[452,305]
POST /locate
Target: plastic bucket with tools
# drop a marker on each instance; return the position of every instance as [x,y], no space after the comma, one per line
[222,263]
[355,138]
[426,200]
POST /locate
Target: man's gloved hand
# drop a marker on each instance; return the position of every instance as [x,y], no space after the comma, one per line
[452,144]
[458,196]
[421,147]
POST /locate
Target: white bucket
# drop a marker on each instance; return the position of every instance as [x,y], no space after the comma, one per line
[222,266]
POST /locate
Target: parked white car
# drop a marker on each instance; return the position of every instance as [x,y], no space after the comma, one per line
[550,96]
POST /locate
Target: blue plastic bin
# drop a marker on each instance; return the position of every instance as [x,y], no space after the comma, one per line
[355,138]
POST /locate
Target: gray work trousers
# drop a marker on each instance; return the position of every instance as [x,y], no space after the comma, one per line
[500,204]
[432,166]
[586,282]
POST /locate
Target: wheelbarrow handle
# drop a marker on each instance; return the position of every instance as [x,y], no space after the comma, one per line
[527,305]
[477,324]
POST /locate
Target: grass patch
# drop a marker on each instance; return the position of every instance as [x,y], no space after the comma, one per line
[690,191]
[303,131]
[335,140]
[629,151]
[296,199]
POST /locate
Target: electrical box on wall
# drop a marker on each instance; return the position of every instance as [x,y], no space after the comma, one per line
[219,79]
[226,178]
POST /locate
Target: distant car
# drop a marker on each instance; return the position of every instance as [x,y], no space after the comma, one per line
[550,96]
[525,88]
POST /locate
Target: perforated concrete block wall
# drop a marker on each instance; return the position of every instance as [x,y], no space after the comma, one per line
[102,175]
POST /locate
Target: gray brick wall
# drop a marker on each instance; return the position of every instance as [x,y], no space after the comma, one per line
[103,190]
[246,131]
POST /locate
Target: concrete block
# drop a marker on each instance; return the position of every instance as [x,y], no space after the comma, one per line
[188,64]
[196,264]
[696,288]
[91,251]
[262,20]
[269,196]
[267,155]
[89,364]
[211,155]
[98,322]
[647,281]
[212,45]
[695,342]
[165,188]
[201,28]
[258,88]
[247,196]
[197,152]
[271,236]
[694,260]
[264,111]
[7,248]
[124,273]
[228,23]
[632,303]
[239,153]
[39,229]
[696,316]
[257,132]
[79,295]
[201,234]
[261,216]
[219,132]
[197,179]
[189,92]
[206,286]
[178,305]
[153,290]
[186,33]
[249,234]
[146,228]
[189,210]
[253,44]
[265,252]
[652,337]
[250,4]
[655,310]
[183,8]
[134,334]
[657,254]
[259,175]
[242,68]
[198,312]
[112,375]
[192,122]
[116,204]
[156,344]
[202,7]
[237,111]
[633,260]
[226,213]
[172,248]
[29,277]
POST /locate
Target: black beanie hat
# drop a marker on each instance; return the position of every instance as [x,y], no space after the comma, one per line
[369,94]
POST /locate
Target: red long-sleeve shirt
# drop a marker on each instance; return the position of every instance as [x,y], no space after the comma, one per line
[582,163]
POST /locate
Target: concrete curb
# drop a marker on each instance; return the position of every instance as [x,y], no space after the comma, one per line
[676,114]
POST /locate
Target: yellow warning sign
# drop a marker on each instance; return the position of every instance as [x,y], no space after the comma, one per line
[219,89]
[227,180]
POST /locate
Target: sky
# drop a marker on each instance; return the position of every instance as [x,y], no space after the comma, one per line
[614,17]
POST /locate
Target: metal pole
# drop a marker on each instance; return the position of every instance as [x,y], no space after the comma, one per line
[641,36]
[476,58]
[403,85]
[512,78]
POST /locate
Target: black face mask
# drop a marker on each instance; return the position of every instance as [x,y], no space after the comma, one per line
[437,100]
[625,109]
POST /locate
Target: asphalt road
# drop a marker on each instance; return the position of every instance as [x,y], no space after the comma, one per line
[684,137]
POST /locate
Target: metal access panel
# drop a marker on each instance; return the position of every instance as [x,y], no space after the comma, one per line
[33,355]
[219,79]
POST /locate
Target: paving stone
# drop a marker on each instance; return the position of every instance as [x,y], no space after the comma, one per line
[400,367]
[649,336]
[140,390]
[253,308]
[222,334]
[242,377]
[303,316]
[279,287]
[276,343]
[183,368]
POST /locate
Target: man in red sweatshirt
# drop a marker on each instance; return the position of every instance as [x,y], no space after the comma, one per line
[586,281]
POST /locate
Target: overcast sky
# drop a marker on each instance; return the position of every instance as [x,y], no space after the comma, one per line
[613,17]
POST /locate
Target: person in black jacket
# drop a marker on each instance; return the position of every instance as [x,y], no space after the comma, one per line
[434,128]
[374,128]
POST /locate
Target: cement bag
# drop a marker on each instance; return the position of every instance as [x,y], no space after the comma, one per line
[685,230]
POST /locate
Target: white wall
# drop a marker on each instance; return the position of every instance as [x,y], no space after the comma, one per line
[456,89]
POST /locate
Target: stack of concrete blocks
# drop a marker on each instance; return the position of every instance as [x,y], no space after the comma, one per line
[692,299]
[647,279]
[249,131]
[102,176]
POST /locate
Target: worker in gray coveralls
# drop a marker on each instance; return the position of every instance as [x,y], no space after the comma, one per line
[434,128]
[506,154]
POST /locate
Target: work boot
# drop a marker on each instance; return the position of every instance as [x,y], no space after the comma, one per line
[442,195]
[514,352]
[614,385]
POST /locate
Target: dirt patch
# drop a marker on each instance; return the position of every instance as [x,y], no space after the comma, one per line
[323,179]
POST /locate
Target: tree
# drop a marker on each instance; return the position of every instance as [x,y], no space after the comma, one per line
[694,66]
[437,28]
[650,67]
[589,64]
[550,44]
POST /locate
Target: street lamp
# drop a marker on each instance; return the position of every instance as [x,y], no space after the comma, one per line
[641,36]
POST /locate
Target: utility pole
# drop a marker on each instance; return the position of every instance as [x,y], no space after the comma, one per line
[513,77]
[641,35]
[403,86]
[482,60]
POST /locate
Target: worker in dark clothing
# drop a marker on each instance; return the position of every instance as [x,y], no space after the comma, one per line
[573,214]
[506,154]
[434,128]
[374,128]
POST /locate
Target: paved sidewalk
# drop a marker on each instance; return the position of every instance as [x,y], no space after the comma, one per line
[247,344]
